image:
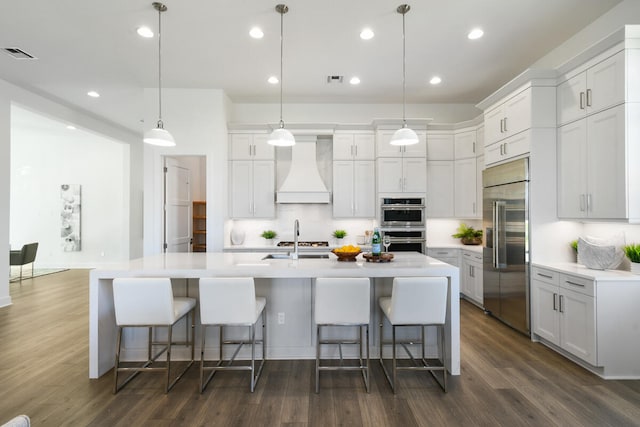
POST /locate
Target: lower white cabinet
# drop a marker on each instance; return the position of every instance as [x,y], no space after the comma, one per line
[448,255]
[563,312]
[471,276]
[252,189]
[354,189]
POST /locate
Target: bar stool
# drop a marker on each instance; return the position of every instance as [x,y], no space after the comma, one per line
[343,302]
[231,301]
[149,302]
[415,301]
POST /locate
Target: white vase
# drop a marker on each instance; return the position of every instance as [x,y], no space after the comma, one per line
[237,236]
[635,267]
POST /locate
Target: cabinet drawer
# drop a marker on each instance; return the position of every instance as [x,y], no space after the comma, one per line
[547,276]
[577,284]
[472,256]
[442,252]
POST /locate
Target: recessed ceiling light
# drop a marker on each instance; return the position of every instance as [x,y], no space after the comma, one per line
[366,34]
[354,81]
[256,33]
[273,80]
[71,127]
[476,33]
[93,94]
[145,32]
[435,80]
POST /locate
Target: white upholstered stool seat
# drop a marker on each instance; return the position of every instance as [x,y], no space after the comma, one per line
[343,302]
[415,301]
[231,301]
[149,302]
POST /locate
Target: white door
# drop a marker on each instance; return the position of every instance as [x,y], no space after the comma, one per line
[177,207]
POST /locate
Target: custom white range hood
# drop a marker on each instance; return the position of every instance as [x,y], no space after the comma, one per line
[303,184]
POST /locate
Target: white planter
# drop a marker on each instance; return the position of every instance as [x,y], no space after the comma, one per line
[635,267]
[237,236]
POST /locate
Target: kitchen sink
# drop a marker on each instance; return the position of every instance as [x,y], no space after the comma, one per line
[300,256]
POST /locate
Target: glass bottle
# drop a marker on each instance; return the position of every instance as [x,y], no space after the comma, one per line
[376,240]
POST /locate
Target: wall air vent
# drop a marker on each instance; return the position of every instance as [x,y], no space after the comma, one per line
[17,53]
[335,79]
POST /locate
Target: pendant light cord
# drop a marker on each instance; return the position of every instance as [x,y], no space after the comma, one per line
[404,74]
[160,124]
[281,54]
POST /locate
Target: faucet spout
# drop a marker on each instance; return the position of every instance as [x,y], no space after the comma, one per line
[296,233]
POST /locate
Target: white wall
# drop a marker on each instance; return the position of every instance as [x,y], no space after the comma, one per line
[5,172]
[66,156]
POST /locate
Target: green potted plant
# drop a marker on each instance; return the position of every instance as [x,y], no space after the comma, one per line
[468,235]
[269,235]
[632,251]
[339,235]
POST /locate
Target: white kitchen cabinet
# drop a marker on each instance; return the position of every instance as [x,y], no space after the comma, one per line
[354,189]
[480,140]
[385,149]
[465,144]
[353,146]
[402,175]
[563,312]
[517,145]
[479,187]
[440,145]
[508,118]
[465,188]
[250,146]
[252,189]
[471,276]
[592,167]
[440,200]
[597,88]
[448,255]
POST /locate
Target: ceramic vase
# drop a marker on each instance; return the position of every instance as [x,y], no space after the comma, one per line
[237,236]
[635,268]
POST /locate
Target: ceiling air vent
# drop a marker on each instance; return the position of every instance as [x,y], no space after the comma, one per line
[18,53]
[335,79]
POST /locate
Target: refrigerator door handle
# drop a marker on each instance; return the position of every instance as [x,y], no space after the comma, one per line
[498,209]
[495,235]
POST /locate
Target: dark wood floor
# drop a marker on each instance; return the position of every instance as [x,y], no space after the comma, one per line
[506,380]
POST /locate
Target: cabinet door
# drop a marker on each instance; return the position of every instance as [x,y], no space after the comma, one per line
[343,195]
[263,189]
[577,325]
[440,203]
[241,193]
[343,148]
[606,173]
[477,273]
[465,144]
[572,169]
[517,113]
[364,147]
[416,150]
[570,99]
[544,311]
[606,84]
[466,278]
[241,146]
[364,188]
[385,149]
[390,179]
[261,149]
[465,188]
[493,153]
[480,140]
[516,145]
[493,129]
[440,146]
[415,175]
[479,169]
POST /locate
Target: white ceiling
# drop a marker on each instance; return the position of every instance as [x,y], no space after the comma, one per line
[89,44]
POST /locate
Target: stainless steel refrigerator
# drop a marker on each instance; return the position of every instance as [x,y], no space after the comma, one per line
[506,243]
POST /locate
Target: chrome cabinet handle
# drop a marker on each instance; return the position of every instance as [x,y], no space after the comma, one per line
[555,302]
[582,100]
[589,204]
[474,147]
[356,151]
[501,126]
[545,275]
[560,305]
[505,124]
[574,283]
[588,97]
[501,149]
[505,147]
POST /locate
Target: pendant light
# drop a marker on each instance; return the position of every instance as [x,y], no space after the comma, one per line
[159,135]
[404,135]
[281,137]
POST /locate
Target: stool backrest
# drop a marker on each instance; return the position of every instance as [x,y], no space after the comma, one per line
[342,300]
[29,252]
[227,300]
[143,301]
[419,300]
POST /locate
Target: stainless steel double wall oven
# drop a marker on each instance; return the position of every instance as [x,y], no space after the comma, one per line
[403,220]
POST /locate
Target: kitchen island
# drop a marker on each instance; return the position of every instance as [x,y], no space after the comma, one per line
[287,285]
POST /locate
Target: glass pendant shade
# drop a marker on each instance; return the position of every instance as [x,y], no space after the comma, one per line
[281,137]
[159,137]
[404,136]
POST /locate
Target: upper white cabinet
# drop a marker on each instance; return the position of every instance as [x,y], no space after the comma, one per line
[385,149]
[354,189]
[250,146]
[508,118]
[440,145]
[465,188]
[353,146]
[440,179]
[599,87]
[402,175]
[252,189]
[465,144]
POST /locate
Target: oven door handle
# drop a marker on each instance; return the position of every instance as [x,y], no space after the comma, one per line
[406,240]
[402,207]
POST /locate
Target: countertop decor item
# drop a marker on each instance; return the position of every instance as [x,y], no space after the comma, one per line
[599,257]
[237,236]
[269,235]
[632,251]
[346,253]
[383,257]
[468,235]
[339,234]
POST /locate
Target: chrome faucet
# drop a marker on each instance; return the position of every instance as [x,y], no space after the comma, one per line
[296,233]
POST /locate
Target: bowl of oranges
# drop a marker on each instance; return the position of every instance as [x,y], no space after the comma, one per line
[347,252]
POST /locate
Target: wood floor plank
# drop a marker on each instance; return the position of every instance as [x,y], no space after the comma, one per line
[506,380]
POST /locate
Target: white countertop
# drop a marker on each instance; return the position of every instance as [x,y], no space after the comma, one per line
[588,273]
[284,249]
[191,265]
[471,248]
